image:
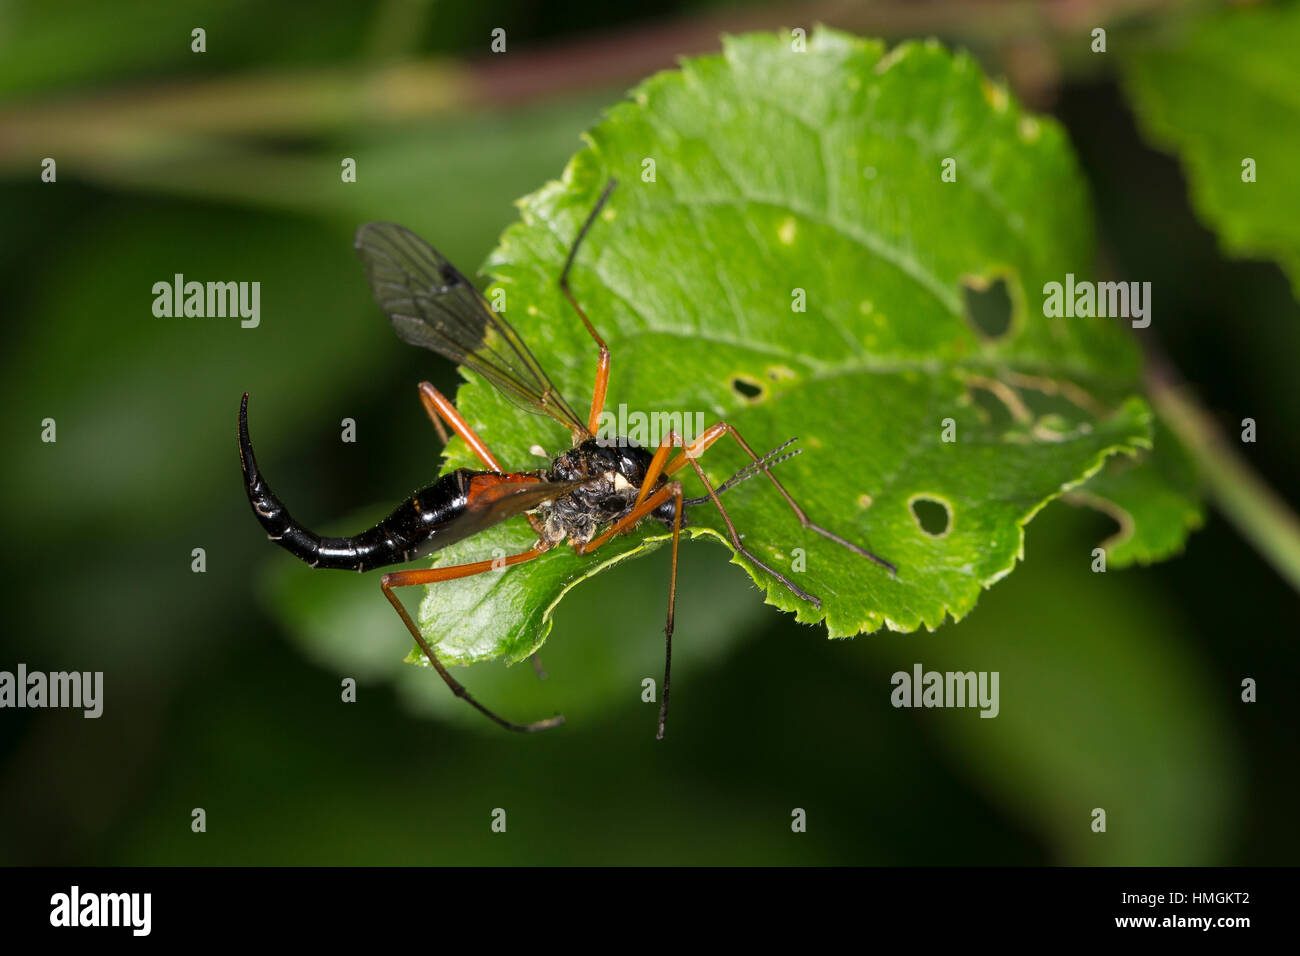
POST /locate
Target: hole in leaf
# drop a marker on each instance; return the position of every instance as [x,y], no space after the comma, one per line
[988,306]
[750,389]
[932,516]
[991,410]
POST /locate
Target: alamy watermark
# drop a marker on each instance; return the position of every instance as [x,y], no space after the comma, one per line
[78,689]
[210,300]
[1086,300]
[922,688]
[75,909]
[648,429]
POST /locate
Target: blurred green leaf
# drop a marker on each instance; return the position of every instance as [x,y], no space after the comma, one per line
[1154,498]
[92,319]
[1220,90]
[1103,707]
[611,640]
[60,44]
[778,173]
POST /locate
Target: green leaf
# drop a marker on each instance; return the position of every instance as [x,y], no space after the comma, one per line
[1221,89]
[777,171]
[1154,498]
[341,623]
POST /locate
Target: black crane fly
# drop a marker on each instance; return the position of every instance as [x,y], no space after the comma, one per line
[596,484]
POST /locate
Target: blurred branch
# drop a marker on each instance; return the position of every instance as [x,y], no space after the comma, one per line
[1261,517]
[122,125]
[1032,41]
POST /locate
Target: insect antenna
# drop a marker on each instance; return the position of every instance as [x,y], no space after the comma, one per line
[749,471]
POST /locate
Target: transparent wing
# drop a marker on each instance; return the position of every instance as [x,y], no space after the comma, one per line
[432,305]
[492,500]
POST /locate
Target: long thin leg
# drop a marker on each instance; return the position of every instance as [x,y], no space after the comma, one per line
[657,466]
[712,434]
[602,366]
[770,460]
[440,408]
[646,505]
[538,668]
[434,417]
[657,461]
[628,520]
[668,627]
[672,489]
[740,547]
[401,579]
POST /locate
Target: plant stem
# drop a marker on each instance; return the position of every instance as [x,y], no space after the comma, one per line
[179,120]
[1262,518]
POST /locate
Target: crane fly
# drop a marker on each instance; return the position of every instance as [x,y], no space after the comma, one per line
[595,490]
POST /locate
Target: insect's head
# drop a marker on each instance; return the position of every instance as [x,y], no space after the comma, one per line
[622,463]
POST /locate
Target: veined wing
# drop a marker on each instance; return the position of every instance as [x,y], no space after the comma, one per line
[432,305]
[491,499]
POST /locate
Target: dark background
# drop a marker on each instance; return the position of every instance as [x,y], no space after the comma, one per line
[1118,690]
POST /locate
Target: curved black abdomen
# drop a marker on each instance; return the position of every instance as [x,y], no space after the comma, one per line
[411,531]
